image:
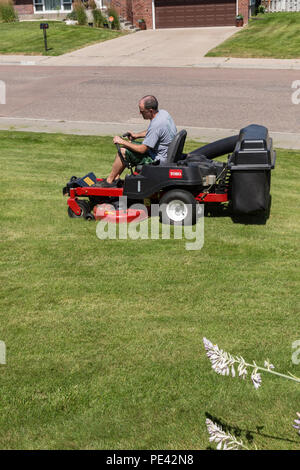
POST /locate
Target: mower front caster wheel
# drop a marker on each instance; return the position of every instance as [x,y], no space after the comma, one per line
[178,207]
[84,210]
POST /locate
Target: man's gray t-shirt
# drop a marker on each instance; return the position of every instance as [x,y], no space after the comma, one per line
[160,134]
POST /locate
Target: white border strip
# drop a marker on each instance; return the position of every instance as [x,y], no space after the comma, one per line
[153,14]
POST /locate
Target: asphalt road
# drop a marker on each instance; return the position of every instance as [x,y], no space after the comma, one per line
[211,98]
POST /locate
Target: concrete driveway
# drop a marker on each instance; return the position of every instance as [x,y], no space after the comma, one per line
[182,47]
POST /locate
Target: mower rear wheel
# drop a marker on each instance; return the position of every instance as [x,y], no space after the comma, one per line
[84,210]
[178,207]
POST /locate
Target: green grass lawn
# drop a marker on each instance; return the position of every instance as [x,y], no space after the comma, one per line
[104,338]
[270,35]
[27,38]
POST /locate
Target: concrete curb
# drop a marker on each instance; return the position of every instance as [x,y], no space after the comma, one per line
[202,62]
[23,60]
[280,139]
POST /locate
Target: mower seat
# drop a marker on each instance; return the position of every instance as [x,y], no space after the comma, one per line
[174,150]
[176,147]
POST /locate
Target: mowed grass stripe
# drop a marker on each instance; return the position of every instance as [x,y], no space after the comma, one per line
[104,338]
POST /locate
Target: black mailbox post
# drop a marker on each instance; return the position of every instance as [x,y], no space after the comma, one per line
[44,27]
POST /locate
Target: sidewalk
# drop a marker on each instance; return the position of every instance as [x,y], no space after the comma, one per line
[202,62]
[203,134]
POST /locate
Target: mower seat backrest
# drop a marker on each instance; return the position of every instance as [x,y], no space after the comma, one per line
[176,147]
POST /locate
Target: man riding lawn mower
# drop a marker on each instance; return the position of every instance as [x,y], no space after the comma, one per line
[182,181]
[178,182]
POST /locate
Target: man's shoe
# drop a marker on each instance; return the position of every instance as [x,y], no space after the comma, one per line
[106,184]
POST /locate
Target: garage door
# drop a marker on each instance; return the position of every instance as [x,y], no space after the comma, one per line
[193,13]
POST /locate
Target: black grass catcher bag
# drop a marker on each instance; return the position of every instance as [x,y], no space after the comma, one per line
[250,164]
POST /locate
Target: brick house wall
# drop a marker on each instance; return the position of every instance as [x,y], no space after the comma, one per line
[123,7]
[128,11]
[24,7]
[142,9]
[243,9]
[134,10]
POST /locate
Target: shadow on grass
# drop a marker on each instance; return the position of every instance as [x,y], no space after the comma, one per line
[217,210]
[245,433]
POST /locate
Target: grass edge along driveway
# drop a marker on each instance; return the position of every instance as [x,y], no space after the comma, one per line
[272,35]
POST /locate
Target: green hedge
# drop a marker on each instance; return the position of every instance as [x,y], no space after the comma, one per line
[7,12]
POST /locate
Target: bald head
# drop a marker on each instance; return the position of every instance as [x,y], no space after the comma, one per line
[148,106]
[149,102]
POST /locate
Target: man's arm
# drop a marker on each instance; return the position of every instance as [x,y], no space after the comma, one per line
[137,135]
[138,148]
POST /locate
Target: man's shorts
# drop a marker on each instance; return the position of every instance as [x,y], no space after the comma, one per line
[136,158]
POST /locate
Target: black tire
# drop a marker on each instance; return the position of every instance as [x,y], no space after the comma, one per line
[84,206]
[89,216]
[178,207]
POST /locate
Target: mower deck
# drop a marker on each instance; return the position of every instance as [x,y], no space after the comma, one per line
[119,216]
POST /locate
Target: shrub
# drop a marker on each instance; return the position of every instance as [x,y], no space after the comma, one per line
[72,15]
[98,18]
[116,23]
[261,9]
[92,4]
[7,11]
[80,12]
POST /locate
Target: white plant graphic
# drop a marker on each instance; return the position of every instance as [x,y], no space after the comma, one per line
[224,441]
[224,363]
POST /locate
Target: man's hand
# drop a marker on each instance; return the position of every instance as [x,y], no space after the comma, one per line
[118,140]
[139,148]
[132,135]
[135,135]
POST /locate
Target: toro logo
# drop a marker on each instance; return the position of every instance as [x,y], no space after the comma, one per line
[175,173]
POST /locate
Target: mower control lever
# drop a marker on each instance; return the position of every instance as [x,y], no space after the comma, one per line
[127,134]
[125,163]
[121,155]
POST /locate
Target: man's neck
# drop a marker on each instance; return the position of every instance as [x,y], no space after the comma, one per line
[154,115]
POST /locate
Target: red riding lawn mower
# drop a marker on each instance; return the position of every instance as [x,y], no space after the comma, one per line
[239,187]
